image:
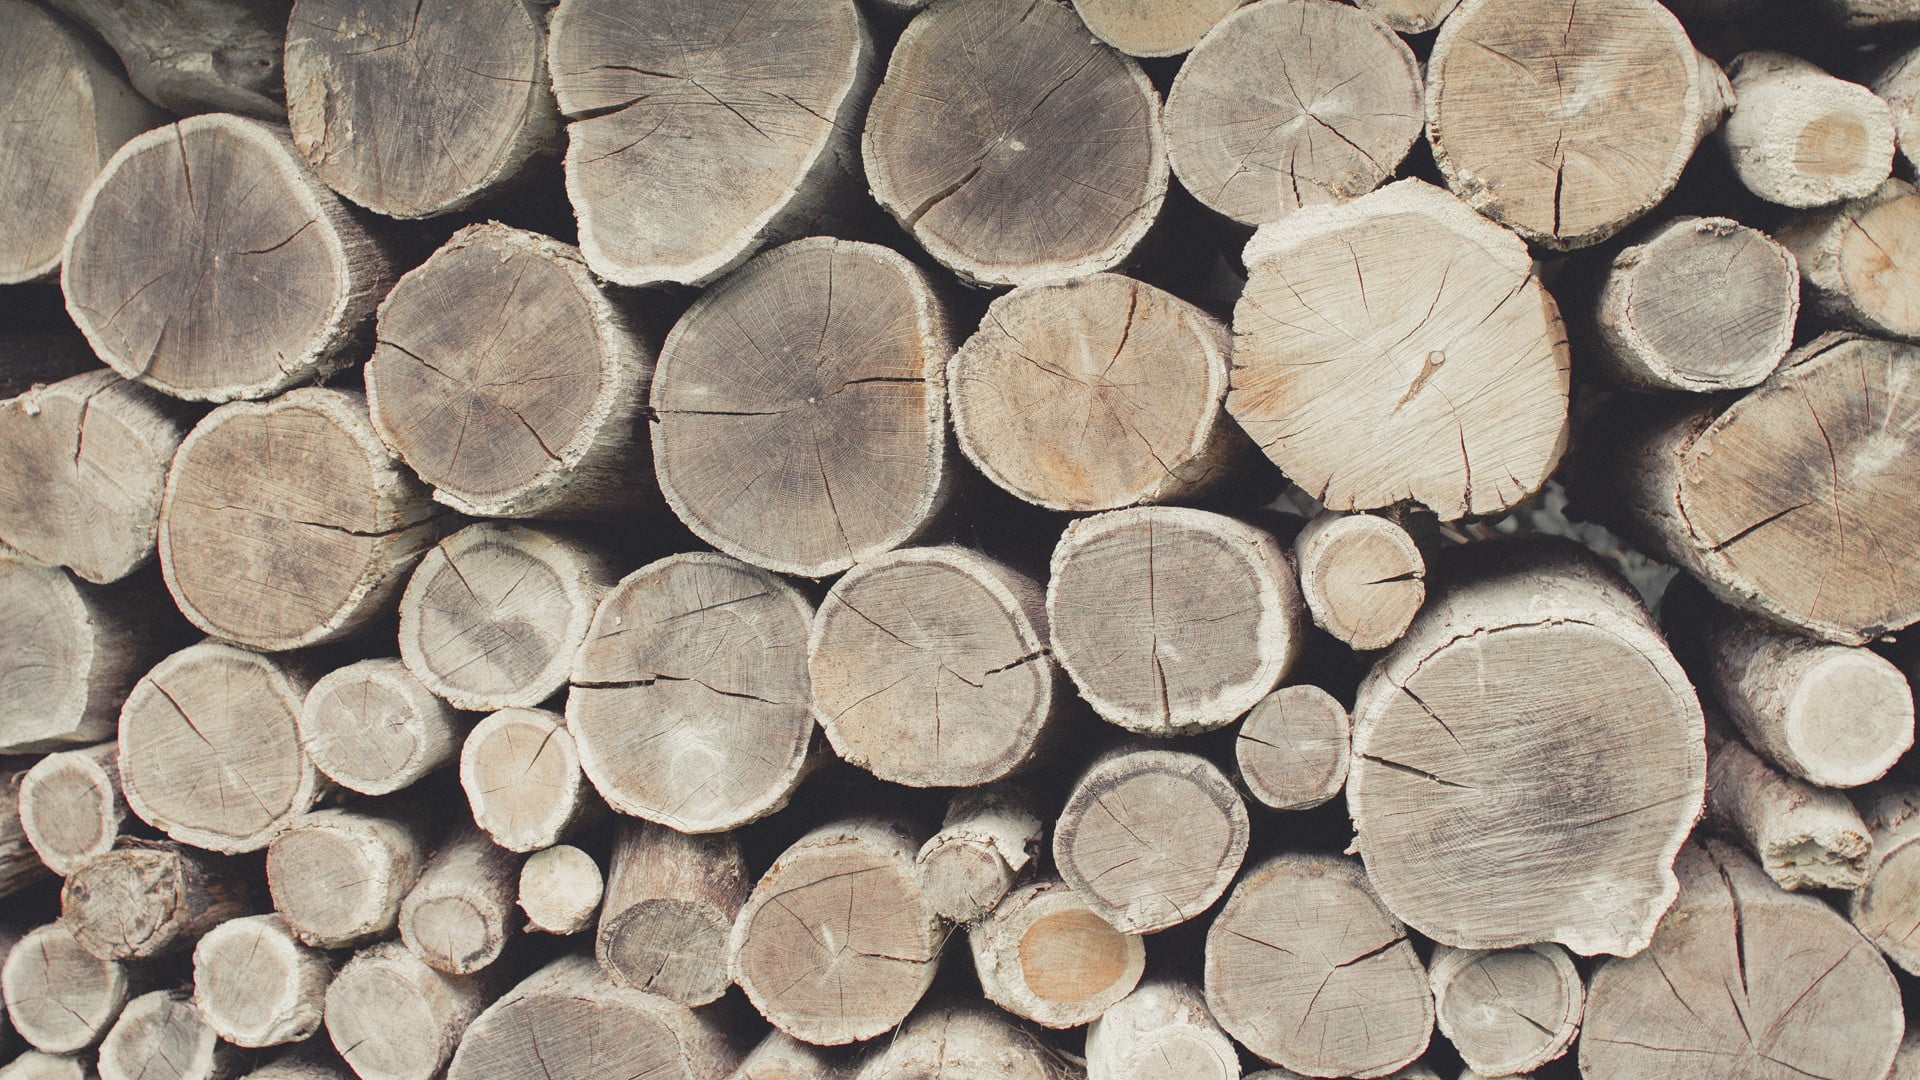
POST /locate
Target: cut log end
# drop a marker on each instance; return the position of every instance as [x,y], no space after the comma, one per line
[1887,906]
[1294,748]
[560,890]
[460,915]
[965,1041]
[1797,136]
[1508,1011]
[1860,260]
[372,727]
[1044,955]
[1362,576]
[145,900]
[164,1026]
[671,902]
[255,985]
[1161,1031]
[70,806]
[60,998]
[338,876]
[394,1018]
[1803,836]
[69,652]
[521,773]
[1153,27]
[1410,16]
[989,837]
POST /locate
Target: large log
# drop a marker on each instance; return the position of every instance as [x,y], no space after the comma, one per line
[1161,1031]
[671,901]
[1886,908]
[988,837]
[1797,136]
[195,56]
[257,986]
[1044,955]
[522,777]
[1294,748]
[70,652]
[147,899]
[339,875]
[560,890]
[966,1041]
[70,806]
[1153,27]
[460,914]
[1507,1011]
[1803,836]
[160,1035]
[60,998]
[394,1018]
[374,728]
[1858,260]
[1362,576]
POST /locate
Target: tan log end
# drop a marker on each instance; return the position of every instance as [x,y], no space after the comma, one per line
[60,998]
[1797,136]
[256,985]
[70,806]
[1044,955]
[394,1018]
[671,901]
[1362,576]
[165,1026]
[988,838]
[147,899]
[1294,748]
[560,889]
[1161,1031]
[372,727]
[339,875]
[1507,1011]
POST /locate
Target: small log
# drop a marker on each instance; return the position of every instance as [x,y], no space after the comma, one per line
[1507,1011]
[1499,86]
[257,281]
[1294,748]
[147,899]
[301,1063]
[1898,84]
[1153,27]
[1886,907]
[70,652]
[1150,838]
[1179,662]
[871,388]
[522,777]
[71,809]
[1161,1031]
[1797,136]
[1409,16]
[1738,955]
[772,127]
[966,1041]
[413,111]
[1457,400]
[554,394]
[836,944]
[1044,955]
[60,998]
[338,876]
[195,56]
[671,902]
[560,890]
[256,985]
[160,1035]
[460,914]
[306,545]
[394,1018]
[372,727]
[780,1056]
[1362,576]
[971,145]
[690,702]
[34,1065]
[1856,261]
[1291,104]
[1067,403]
[988,837]
[1803,836]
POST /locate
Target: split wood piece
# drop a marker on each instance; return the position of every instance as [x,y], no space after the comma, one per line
[287,524]
[1291,103]
[1362,576]
[1044,955]
[372,727]
[338,876]
[1898,84]
[413,111]
[1860,261]
[1797,136]
[522,777]
[1161,1031]
[251,279]
[1409,16]
[1153,27]
[1067,403]
[1803,836]
[69,652]
[835,449]
[569,1020]
[836,944]
[1742,979]
[966,1040]
[780,1056]
[1457,400]
[930,668]
[1150,838]
[147,899]
[460,914]
[1784,501]
[1172,621]
[1701,304]
[210,748]
[1294,748]
[494,613]
[1887,907]
[772,127]
[989,836]
[533,413]
[256,985]
[394,1018]
[1507,1011]
[34,1065]
[560,890]
[1013,146]
[67,109]
[690,703]
[60,998]
[20,865]
[1456,734]
[195,56]
[71,809]
[161,1035]
[671,901]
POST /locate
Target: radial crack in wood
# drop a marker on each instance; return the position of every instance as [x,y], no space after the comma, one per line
[1507,1011]
[671,902]
[1294,748]
[394,1018]
[147,899]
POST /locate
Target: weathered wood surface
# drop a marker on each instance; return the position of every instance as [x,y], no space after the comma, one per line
[1803,836]
[780,1056]
[70,652]
[339,875]
[195,56]
[70,805]
[966,1041]
[671,902]
[1507,1011]
[160,1035]
[521,772]
[460,914]
[987,839]
[1886,908]
[60,998]
[374,728]
[255,985]
[1294,748]
[394,1018]
[1153,27]
[1898,84]
[148,899]
[1797,136]
[560,890]
[1362,576]
[1860,260]
[1410,16]
[1161,1031]
[1044,955]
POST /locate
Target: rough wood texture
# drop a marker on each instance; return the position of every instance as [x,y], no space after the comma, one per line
[1161,1031]
[780,1056]
[1093,394]
[1153,27]
[147,899]
[460,914]
[1898,84]
[1455,399]
[413,110]
[1044,955]
[1797,136]
[494,613]
[671,901]
[989,836]
[1860,261]
[34,1065]
[20,865]
[1170,620]
[1742,979]
[195,56]
[831,447]
[304,1063]
[966,1041]
[1361,575]
[394,1018]
[257,986]
[206,262]
[1292,103]
[1509,87]
[836,944]
[1887,907]
[1013,146]
[759,100]
[530,412]
[69,653]
[286,523]
[372,727]
[160,1035]
[60,997]
[71,809]
[1150,838]
[1803,836]
[522,777]
[1409,16]
[930,668]
[690,702]
[1294,748]
[560,890]
[338,876]
[1507,1011]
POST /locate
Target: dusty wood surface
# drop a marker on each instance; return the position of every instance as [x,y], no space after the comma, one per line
[1507,1011]
[1803,836]
[987,839]
[1152,27]
[671,902]
[1797,136]
[60,998]
[374,728]
[70,652]
[1293,749]
[460,915]
[1887,907]
[966,1041]
[394,1018]
[338,876]
[70,805]
[1161,1031]
[521,773]
[195,56]
[256,985]
[160,1035]
[560,890]
[1362,576]
[147,899]
[1860,260]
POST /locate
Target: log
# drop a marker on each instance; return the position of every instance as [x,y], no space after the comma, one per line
[1161,1031]
[1044,955]
[301,1064]
[255,985]
[195,56]
[1294,748]
[1855,260]
[1179,663]
[60,998]
[1886,908]
[1507,1011]
[554,394]
[1739,956]
[1898,84]
[1797,136]
[71,809]
[147,899]
[372,727]
[690,702]
[1803,836]
[460,914]
[989,836]
[1362,576]
[296,548]
[70,652]
[1507,91]
[413,111]
[966,1041]
[965,698]
[773,127]
[1153,27]
[1150,838]
[1409,16]
[1093,394]
[729,454]
[494,613]
[780,1056]
[259,281]
[1454,400]
[339,875]
[974,149]
[560,890]
[20,864]
[394,1018]
[34,1065]
[522,777]
[836,944]
[160,1035]
[210,748]
[1291,104]
[671,901]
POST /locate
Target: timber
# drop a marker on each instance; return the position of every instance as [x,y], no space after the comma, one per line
[70,806]
[147,899]
[338,876]
[671,901]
